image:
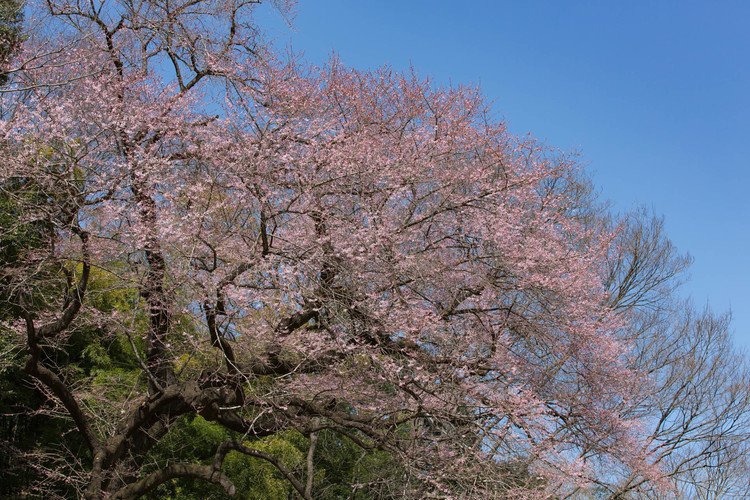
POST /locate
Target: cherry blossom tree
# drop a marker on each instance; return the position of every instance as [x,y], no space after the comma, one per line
[309,250]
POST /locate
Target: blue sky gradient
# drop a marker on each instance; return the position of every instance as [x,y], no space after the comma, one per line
[654,95]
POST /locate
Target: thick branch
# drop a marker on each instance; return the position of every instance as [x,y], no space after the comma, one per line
[148,483]
[296,320]
[311,464]
[36,369]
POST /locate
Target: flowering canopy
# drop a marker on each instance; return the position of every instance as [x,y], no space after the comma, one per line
[313,248]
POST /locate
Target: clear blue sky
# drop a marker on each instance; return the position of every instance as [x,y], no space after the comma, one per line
[655,95]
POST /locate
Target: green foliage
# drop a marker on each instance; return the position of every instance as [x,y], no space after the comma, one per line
[194,439]
[107,293]
[339,464]
[256,479]
[345,471]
